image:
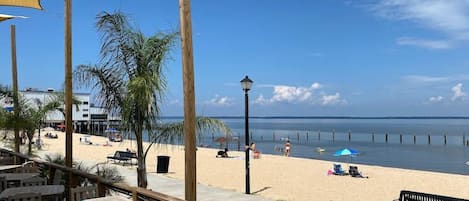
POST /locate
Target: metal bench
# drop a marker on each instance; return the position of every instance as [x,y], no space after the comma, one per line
[417,196]
[122,156]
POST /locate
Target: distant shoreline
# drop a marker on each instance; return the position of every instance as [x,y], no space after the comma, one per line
[329,117]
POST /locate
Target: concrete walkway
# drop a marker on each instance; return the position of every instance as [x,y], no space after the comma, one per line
[175,187]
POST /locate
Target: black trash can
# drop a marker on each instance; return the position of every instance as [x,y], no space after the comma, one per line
[162,164]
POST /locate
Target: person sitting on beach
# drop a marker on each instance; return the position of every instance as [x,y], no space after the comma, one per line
[253,152]
[223,154]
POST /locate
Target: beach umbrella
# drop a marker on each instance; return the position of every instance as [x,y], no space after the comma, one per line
[347,152]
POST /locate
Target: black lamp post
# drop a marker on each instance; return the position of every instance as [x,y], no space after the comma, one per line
[246,84]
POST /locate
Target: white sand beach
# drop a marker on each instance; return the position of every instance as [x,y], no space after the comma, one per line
[278,177]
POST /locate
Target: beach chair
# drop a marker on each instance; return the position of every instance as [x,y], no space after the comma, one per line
[353,171]
[338,170]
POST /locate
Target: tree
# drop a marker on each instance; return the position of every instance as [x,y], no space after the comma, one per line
[31,113]
[130,81]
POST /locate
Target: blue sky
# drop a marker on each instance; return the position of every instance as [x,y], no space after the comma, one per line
[315,58]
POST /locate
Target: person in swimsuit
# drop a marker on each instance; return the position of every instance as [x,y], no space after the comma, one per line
[287,148]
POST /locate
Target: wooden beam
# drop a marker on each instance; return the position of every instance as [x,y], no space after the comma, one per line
[14,72]
[189,100]
[68,90]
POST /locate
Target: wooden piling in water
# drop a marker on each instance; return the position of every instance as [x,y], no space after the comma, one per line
[273,136]
[386,137]
[373,137]
[319,135]
[333,135]
[400,138]
[445,138]
[307,136]
[464,139]
[415,139]
[298,137]
[349,136]
[429,139]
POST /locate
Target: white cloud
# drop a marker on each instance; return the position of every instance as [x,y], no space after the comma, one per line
[262,101]
[429,44]
[293,94]
[436,99]
[457,92]
[315,54]
[220,101]
[332,99]
[424,78]
[448,17]
[434,79]
[316,86]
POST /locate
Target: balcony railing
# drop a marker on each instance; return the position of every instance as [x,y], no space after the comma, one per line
[103,185]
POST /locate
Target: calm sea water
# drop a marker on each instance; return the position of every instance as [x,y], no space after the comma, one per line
[303,133]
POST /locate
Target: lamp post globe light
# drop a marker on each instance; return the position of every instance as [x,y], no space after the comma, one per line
[246,84]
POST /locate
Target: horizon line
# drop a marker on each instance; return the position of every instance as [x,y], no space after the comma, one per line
[328,117]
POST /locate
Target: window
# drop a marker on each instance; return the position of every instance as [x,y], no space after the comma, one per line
[85,110]
[85,115]
[85,103]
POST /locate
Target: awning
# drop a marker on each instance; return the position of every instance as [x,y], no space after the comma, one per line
[22,3]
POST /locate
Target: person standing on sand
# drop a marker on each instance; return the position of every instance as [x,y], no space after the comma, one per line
[287,148]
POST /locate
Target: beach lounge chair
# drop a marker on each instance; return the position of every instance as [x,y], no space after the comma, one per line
[338,170]
[353,171]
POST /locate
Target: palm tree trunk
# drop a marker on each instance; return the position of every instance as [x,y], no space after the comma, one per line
[142,168]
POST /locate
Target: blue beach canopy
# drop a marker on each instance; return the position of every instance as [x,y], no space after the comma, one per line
[346,152]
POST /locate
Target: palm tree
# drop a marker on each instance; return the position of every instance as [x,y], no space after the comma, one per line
[130,80]
[31,113]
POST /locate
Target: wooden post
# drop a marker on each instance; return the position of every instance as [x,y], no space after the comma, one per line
[250,135]
[298,137]
[101,189]
[239,144]
[333,135]
[373,137]
[262,137]
[68,91]
[400,137]
[307,136]
[464,138]
[429,139]
[386,137]
[415,139]
[273,136]
[14,72]
[445,138]
[189,100]
[319,135]
[349,136]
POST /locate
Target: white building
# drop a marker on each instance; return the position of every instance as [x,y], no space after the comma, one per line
[85,117]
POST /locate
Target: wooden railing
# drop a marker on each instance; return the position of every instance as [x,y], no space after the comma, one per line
[102,184]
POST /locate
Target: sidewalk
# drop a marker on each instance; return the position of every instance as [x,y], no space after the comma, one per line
[175,187]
